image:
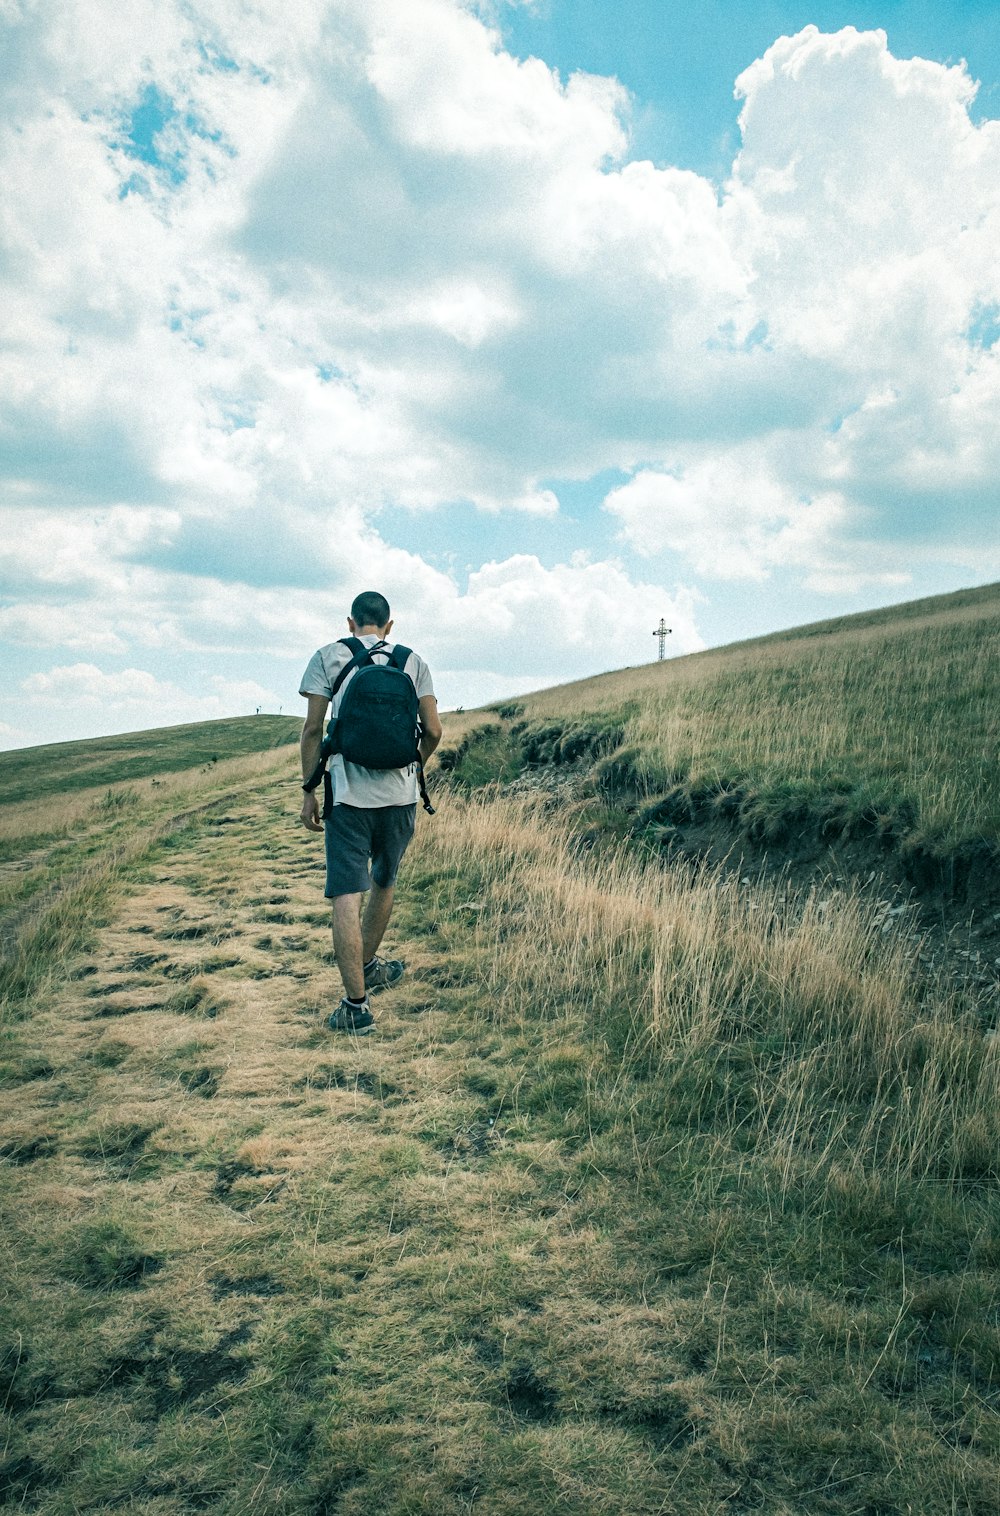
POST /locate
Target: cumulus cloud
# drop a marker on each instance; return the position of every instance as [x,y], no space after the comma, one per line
[266,275]
[870,205]
[732,520]
[58,626]
[134,698]
[547,621]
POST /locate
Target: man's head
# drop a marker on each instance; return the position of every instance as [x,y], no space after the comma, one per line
[370,613]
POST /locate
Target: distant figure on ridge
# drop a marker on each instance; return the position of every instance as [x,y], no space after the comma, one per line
[384,726]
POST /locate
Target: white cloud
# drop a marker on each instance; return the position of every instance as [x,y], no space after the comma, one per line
[451,89]
[58,626]
[18,736]
[494,624]
[742,513]
[870,206]
[544,620]
[268,273]
[136,698]
[85,681]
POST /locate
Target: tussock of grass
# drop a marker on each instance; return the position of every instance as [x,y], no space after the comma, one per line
[106,1256]
[807,1011]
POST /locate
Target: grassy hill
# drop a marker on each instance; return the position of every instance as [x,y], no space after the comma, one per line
[58,767]
[654,1192]
[884,725]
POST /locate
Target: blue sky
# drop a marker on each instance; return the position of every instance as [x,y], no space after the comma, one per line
[546,319]
[680,60]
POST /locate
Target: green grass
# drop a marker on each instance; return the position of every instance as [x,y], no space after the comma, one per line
[885,724]
[55,768]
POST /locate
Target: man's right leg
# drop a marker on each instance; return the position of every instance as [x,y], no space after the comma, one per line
[348,847]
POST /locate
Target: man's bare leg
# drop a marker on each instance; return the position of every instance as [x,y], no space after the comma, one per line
[376,919]
[347,947]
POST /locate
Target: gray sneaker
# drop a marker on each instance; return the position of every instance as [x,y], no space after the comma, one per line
[351,1018]
[381,973]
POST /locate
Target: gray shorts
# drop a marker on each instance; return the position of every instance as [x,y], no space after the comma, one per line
[356,835]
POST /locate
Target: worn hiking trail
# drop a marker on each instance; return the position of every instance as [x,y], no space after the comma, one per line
[494,1257]
[234,1236]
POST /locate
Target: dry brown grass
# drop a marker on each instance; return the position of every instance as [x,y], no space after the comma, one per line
[695,964]
[650,1195]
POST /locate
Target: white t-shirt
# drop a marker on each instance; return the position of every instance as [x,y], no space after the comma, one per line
[353,784]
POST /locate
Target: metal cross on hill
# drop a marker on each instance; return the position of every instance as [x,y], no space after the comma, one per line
[663,632]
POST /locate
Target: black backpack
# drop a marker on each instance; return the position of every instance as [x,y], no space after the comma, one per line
[377,725]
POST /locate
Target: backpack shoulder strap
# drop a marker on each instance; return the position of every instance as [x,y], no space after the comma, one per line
[398,659]
[360,655]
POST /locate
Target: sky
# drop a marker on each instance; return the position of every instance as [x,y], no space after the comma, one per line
[546,320]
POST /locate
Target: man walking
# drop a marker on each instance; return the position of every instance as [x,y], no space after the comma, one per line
[372,818]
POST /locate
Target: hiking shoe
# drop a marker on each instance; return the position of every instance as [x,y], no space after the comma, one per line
[351,1018]
[382,972]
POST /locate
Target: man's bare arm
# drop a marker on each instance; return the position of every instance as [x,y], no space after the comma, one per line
[309,745]
[430,726]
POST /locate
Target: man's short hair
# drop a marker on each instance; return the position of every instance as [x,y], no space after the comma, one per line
[370,609]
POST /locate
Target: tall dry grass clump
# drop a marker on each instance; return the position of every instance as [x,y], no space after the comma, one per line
[811,1025]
